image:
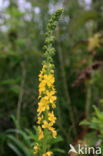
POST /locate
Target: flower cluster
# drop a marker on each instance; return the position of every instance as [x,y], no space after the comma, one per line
[47,98]
[47,101]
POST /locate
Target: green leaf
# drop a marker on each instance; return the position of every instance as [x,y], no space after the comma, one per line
[98,113]
[58,150]
[56,140]
[84,122]
[25,137]
[10,81]
[15,89]
[18,144]
[15,149]
[14,120]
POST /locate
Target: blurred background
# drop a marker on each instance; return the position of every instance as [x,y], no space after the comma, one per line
[78,70]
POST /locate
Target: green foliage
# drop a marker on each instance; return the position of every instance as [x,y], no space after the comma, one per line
[21,41]
[22,146]
[96,122]
[21,142]
[94,137]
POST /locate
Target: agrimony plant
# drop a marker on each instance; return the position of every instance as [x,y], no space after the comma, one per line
[46,118]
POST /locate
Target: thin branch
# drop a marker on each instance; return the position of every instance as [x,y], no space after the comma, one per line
[21,93]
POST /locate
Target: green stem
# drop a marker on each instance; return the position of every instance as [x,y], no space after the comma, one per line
[45,134]
[45,141]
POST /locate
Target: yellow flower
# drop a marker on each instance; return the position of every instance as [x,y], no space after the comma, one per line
[45,124]
[40,118]
[50,96]
[53,131]
[42,87]
[47,98]
[51,117]
[53,105]
[48,153]
[52,71]
[47,92]
[43,105]
[52,99]
[50,93]
[36,149]
[41,75]
[41,135]
[49,79]
[49,126]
